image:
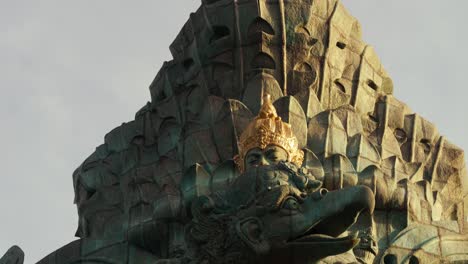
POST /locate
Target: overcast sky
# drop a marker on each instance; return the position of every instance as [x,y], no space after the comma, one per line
[70,71]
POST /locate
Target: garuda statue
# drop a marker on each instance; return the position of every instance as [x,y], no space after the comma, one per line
[271,137]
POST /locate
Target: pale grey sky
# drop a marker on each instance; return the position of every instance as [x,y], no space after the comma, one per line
[70,71]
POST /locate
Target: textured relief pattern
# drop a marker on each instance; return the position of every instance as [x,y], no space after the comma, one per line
[325,81]
[138,192]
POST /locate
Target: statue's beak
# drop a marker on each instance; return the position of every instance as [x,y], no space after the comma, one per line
[336,211]
[329,214]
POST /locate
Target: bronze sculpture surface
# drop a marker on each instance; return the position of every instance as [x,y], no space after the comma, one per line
[164,172]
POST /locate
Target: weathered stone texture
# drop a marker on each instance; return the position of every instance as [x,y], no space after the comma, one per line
[333,90]
[327,83]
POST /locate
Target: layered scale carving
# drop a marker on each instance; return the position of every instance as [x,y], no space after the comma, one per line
[331,87]
[333,90]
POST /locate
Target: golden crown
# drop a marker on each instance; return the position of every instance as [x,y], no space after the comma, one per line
[268,129]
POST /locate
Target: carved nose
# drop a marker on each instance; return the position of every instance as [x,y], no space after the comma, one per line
[263,162]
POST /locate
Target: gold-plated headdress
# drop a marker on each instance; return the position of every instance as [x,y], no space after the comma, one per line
[268,129]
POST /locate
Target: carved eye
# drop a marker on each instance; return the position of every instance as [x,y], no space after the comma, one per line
[290,204]
[253,159]
[273,158]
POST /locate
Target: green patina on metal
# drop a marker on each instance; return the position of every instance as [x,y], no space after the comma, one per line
[377,183]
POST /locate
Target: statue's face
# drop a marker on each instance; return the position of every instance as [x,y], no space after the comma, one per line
[272,154]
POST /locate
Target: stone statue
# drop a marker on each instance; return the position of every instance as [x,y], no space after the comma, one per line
[13,256]
[267,139]
[329,168]
[274,213]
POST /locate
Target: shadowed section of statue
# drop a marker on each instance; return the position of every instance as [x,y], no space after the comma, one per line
[13,256]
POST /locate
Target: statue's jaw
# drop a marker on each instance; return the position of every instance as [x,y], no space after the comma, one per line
[310,248]
[323,244]
[327,218]
[339,210]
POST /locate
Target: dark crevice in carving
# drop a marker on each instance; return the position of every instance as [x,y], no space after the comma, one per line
[372,85]
[188,63]
[260,25]
[263,61]
[390,259]
[219,32]
[302,30]
[373,117]
[312,41]
[162,95]
[426,143]
[138,140]
[210,2]
[340,86]
[341,45]
[414,260]
[400,135]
